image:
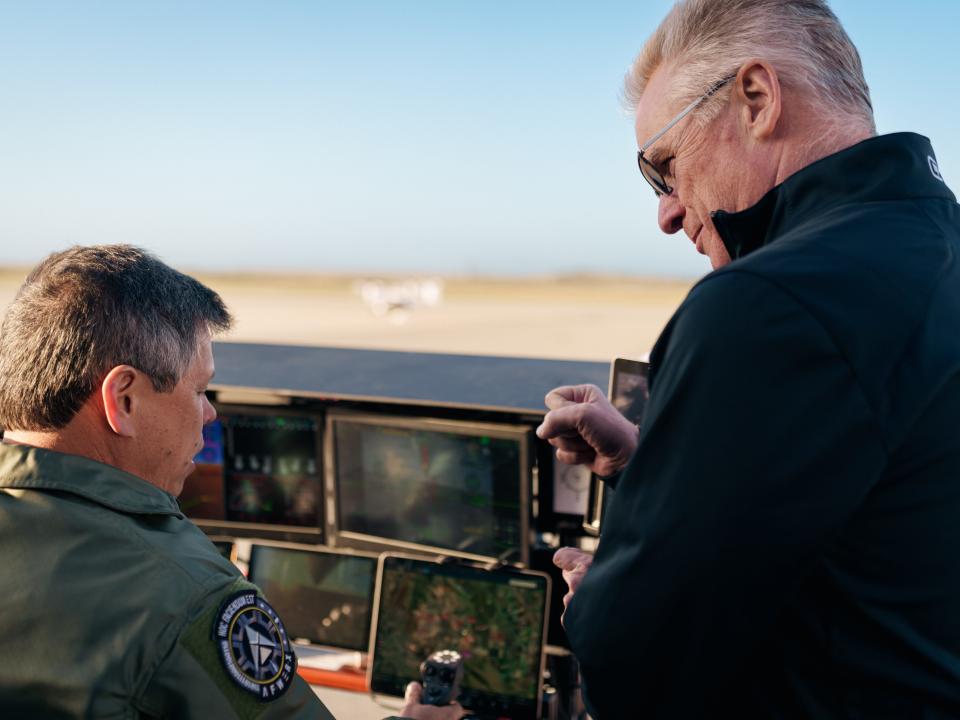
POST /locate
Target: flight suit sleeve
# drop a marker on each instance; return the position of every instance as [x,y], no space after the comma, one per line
[193,680]
[758,447]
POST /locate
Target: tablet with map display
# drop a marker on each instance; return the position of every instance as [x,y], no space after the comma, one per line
[495,619]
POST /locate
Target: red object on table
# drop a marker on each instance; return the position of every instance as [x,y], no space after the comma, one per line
[345,679]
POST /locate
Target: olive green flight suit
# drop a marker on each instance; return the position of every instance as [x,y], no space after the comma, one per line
[108,600]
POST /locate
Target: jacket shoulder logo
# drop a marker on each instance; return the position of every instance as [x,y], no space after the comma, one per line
[934,168]
[253,646]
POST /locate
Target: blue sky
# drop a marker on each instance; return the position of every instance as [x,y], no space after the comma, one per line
[419,136]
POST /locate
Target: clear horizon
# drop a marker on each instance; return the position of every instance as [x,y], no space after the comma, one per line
[371,137]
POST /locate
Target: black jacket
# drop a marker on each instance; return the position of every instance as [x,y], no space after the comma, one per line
[786,540]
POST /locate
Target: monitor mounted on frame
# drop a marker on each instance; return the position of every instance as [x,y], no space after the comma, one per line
[324,595]
[259,470]
[433,487]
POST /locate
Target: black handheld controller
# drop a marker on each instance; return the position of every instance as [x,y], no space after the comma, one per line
[441,674]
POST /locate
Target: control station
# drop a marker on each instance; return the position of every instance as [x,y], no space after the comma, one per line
[396,505]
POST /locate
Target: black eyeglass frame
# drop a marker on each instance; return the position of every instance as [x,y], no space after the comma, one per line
[650,171]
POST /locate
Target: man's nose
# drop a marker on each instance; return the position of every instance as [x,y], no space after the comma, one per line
[209,412]
[670,213]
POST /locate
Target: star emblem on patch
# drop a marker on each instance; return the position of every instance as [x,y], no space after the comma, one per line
[253,646]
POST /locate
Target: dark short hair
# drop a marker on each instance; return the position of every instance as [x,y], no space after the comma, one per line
[82,312]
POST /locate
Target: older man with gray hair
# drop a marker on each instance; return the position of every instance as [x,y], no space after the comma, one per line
[783,538]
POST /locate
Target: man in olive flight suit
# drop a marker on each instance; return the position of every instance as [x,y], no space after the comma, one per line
[114,604]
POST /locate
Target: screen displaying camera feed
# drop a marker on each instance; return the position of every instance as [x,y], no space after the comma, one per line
[323,597]
[494,619]
[435,487]
[256,469]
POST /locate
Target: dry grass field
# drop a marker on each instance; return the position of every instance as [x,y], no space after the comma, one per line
[577,317]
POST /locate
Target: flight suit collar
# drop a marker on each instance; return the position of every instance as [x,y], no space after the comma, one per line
[29,468]
[899,166]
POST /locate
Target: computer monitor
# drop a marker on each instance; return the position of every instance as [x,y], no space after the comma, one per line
[324,596]
[495,619]
[260,468]
[431,486]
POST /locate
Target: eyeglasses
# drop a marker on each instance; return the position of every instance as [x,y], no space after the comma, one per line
[650,171]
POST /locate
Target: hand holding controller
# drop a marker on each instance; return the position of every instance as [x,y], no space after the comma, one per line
[441,673]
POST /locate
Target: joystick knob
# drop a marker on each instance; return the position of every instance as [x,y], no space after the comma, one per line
[441,674]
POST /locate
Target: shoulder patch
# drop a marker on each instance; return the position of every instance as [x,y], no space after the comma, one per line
[253,646]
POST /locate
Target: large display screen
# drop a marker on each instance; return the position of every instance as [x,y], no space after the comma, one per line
[441,485]
[494,619]
[257,468]
[324,597]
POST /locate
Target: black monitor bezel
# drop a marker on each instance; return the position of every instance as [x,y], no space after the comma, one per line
[395,690]
[339,537]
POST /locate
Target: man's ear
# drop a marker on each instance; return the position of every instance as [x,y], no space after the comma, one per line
[119,391]
[759,91]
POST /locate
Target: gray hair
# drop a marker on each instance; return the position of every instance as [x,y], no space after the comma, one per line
[706,40]
[85,310]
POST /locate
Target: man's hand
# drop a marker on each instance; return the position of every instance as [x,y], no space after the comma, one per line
[586,429]
[574,564]
[412,708]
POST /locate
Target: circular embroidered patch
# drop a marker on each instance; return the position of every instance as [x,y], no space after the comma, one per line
[254,646]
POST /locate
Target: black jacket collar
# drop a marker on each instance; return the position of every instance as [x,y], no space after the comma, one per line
[900,166]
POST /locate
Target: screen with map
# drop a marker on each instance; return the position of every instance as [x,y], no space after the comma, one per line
[494,619]
[323,596]
[446,485]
